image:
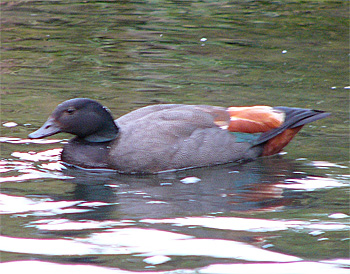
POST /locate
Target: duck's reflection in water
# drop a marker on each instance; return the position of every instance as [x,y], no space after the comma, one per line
[245,188]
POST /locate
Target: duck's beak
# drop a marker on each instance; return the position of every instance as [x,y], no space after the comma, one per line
[50,127]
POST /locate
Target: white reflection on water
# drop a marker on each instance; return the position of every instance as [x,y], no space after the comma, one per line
[246,224]
[311,183]
[30,174]
[47,155]
[271,268]
[38,207]
[158,259]
[232,223]
[224,223]
[326,165]
[26,169]
[54,268]
[14,140]
[25,166]
[10,124]
[47,246]
[65,224]
[6,166]
[325,267]
[143,242]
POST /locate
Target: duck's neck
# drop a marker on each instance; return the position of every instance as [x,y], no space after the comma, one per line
[107,133]
[82,153]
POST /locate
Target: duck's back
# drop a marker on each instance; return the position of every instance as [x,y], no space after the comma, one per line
[164,137]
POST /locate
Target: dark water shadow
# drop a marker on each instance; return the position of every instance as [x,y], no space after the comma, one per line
[247,188]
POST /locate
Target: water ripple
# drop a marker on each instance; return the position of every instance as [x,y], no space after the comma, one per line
[142,242]
[304,267]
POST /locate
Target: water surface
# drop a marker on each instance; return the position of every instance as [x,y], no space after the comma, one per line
[282,214]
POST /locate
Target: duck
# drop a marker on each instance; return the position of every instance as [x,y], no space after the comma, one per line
[168,137]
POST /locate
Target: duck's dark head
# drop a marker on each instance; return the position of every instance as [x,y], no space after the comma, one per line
[83,117]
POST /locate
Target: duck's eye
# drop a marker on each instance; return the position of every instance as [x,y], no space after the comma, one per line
[70,110]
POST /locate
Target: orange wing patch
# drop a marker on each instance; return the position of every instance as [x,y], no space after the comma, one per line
[254,119]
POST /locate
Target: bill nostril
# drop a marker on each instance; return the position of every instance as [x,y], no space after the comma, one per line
[49,128]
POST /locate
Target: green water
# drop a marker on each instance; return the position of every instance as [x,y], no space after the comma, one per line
[128,54]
